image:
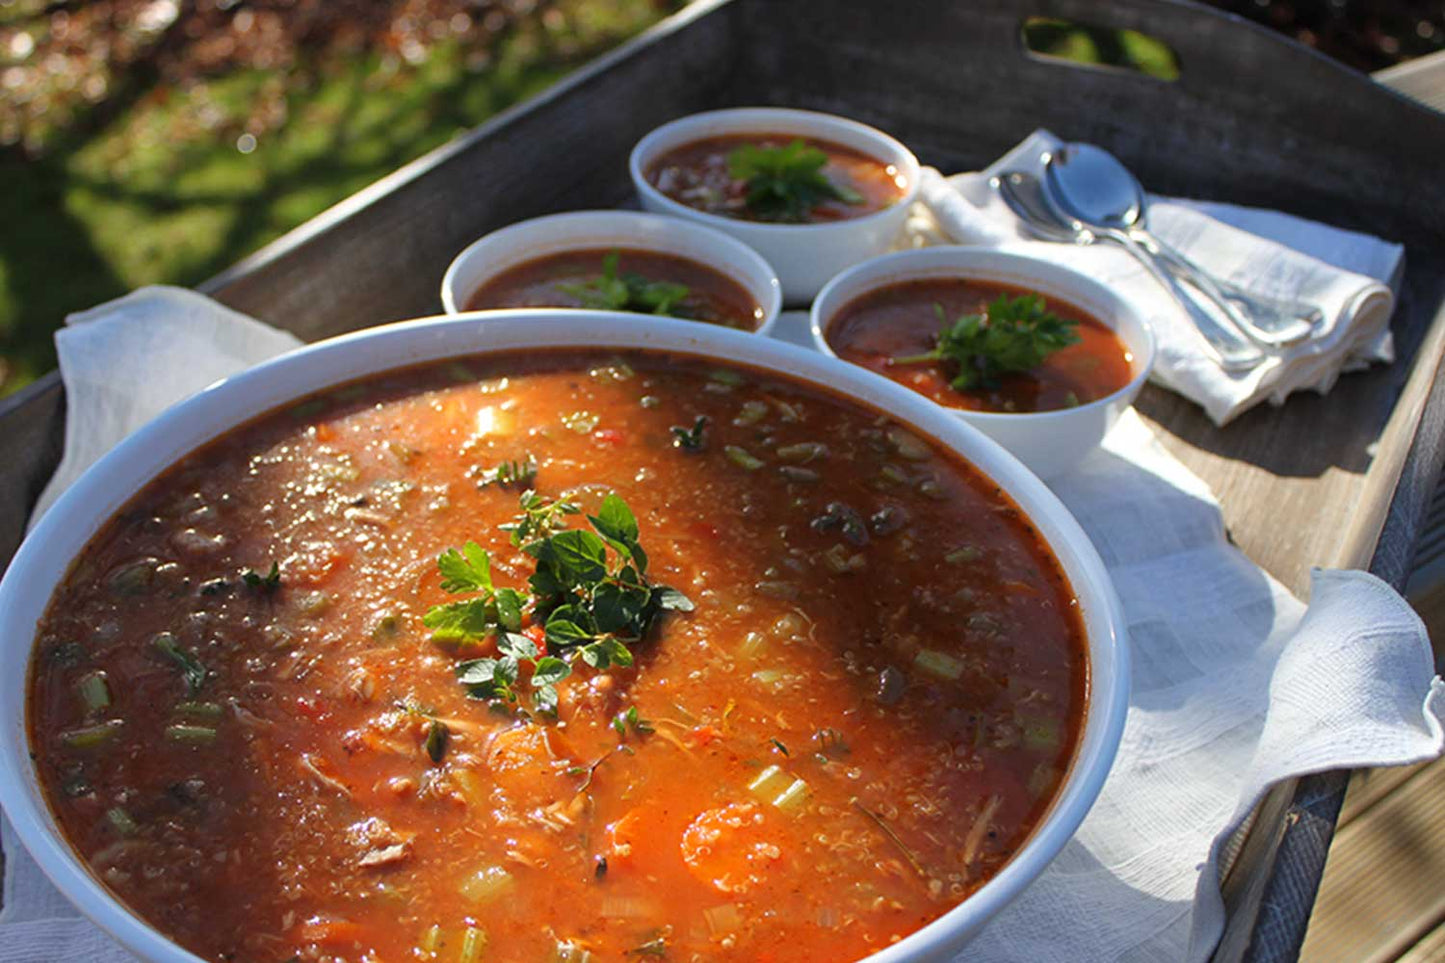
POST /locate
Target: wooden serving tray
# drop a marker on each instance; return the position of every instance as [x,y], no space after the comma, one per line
[1340,481]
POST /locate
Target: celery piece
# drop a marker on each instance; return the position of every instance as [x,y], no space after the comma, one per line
[486,884]
[205,711]
[192,734]
[938,664]
[792,798]
[88,737]
[121,821]
[769,783]
[474,940]
[94,691]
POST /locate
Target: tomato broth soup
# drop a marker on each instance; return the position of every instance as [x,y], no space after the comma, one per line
[558,656]
[622,280]
[883,328]
[705,175]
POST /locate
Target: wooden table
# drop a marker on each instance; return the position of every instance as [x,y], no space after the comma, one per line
[1341,480]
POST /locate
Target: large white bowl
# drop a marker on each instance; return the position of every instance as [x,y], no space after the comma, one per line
[805,255]
[516,244]
[65,530]
[1049,442]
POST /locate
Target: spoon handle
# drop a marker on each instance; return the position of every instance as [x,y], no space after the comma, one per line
[1270,322]
[1231,349]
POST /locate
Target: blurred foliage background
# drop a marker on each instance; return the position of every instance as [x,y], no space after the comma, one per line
[148,141]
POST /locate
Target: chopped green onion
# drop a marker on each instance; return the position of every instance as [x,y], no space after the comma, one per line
[94,691]
[88,737]
[486,884]
[741,458]
[969,553]
[793,473]
[803,452]
[907,445]
[938,664]
[205,711]
[752,412]
[892,474]
[474,940]
[121,821]
[724,376]
[195,734]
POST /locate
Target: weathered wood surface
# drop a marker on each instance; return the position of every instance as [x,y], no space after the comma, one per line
[1253,119]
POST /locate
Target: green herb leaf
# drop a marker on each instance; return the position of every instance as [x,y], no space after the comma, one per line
[269,582]
[192,670]
[519,472]
[786,183]
[628,292]
[437,736]
[689,439]
[1013,335]
[469,570]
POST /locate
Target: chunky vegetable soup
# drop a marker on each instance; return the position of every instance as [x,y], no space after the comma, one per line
[776,177]
[558,657]
[983,346]
[622,280]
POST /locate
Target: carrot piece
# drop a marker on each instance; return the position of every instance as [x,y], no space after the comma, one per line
[331,932]
[526,762]
[730,848]
[704,735]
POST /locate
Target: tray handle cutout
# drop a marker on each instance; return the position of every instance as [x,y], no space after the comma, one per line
[1078,44]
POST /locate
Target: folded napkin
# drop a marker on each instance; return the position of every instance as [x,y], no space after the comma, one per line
[1236,683]
[1350,276]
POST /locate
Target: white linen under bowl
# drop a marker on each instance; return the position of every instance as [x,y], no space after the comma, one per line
[805,255]
[516,244]
[1049,442]
[64,532]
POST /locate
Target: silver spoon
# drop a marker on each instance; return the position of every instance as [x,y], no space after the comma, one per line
[1089,185]
[1024,195]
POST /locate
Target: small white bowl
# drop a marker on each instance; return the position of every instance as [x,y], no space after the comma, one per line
[516,244]
[806,255]
[1048,442]
[43,561]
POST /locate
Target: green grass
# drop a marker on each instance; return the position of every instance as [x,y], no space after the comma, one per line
[164,195]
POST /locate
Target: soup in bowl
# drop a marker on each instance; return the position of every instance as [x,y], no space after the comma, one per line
[811,192]
[617,261]
[1039,357]
[485,631]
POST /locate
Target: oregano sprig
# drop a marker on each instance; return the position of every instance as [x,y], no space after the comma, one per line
[786,183]
[1013,335]
[590,593]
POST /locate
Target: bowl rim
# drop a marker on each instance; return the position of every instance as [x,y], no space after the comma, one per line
[770,295]
[926,264]
[642,154]
[45,557]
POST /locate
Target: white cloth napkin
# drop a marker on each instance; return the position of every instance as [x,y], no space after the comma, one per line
[1350,276]
[1236,684]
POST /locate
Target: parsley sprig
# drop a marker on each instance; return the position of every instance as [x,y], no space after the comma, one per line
[1014,334]
[786,183]
[590,593]
[627,292]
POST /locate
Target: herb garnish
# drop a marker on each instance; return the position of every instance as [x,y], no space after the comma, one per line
[269,582]
[689,439]
[519,472]
[627,292]
[786,183]
[1014,334]
[192,670]
[630,720]
[590,593]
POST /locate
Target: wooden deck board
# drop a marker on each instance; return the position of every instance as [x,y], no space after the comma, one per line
[1382,894]
[1429,950]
